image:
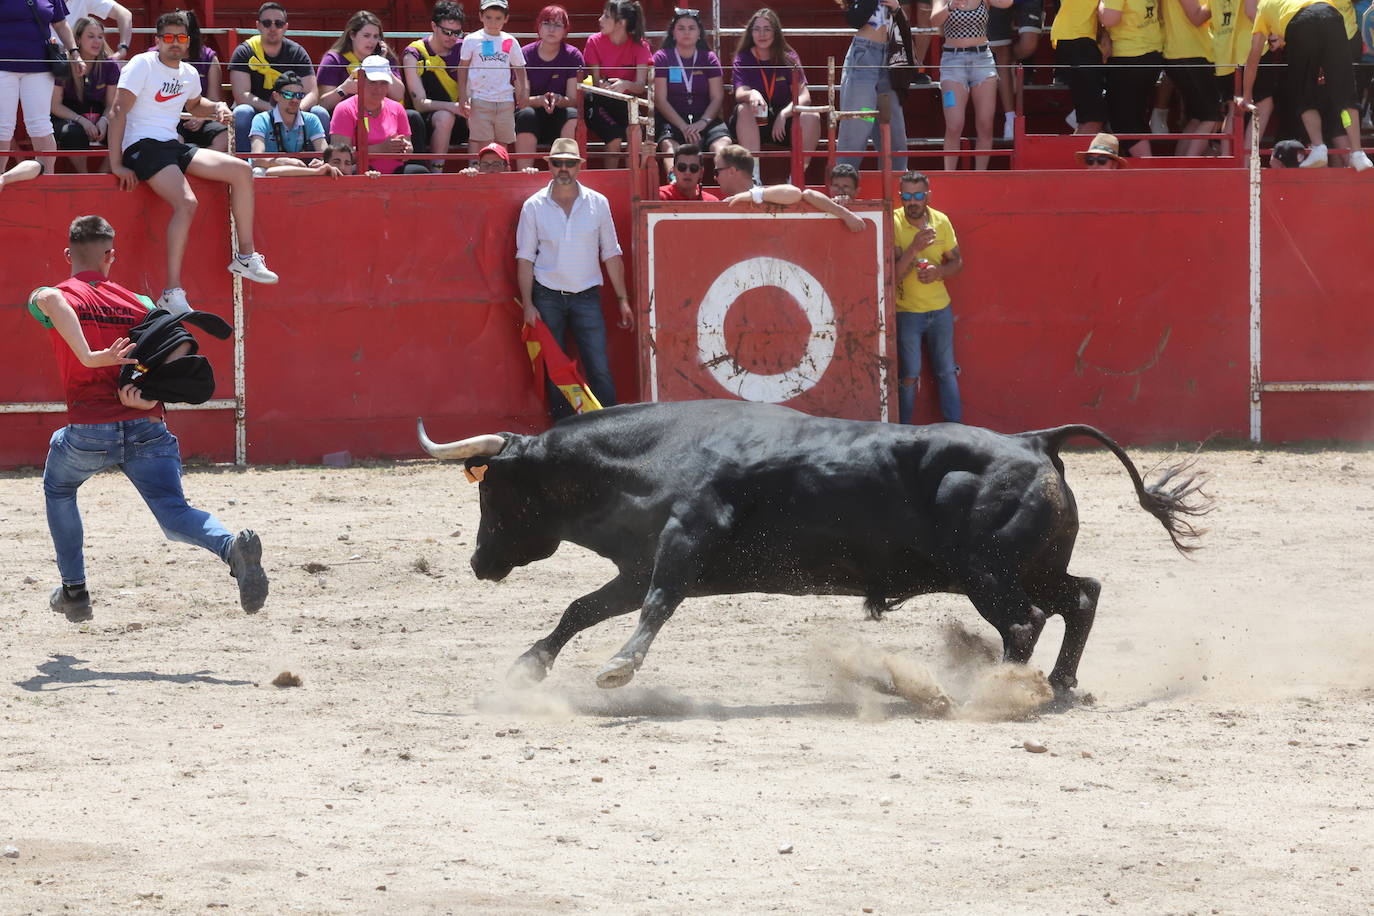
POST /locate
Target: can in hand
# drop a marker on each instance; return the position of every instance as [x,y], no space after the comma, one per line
[760,112]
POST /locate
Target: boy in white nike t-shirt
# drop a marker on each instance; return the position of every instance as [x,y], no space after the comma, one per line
[154,88]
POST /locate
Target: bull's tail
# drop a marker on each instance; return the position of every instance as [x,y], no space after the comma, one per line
[1174,497]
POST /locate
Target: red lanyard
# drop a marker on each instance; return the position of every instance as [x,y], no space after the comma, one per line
[768,84]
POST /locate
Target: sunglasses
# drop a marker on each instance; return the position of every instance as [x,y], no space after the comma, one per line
[1096,160]
[915,195]
[451,33]
[272,23]
[692,167]
[292,94]
[171,38]
[682,11]
[565,163]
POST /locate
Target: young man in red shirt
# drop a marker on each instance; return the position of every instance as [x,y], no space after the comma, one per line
[687,171]
[89,319]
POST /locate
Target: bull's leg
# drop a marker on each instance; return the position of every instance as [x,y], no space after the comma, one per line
[619,596]
[676,565]
[1002,602]
[1074,599]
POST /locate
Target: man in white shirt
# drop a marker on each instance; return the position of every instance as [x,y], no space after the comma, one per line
[564,236]
[102,10]
[154,88]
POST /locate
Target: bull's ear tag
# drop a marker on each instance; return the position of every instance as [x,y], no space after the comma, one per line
[475,475]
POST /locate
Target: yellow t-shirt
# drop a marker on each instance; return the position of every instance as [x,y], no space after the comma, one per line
[1075,19]
[1347,9]
[912,294]
[1182,39]
[1138,32]
[1272,16]
[1223,23]
[1242,34]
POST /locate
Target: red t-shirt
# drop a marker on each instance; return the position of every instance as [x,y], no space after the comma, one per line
[107,311]
[670,192]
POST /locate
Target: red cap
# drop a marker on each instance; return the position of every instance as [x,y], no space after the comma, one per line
[496,148]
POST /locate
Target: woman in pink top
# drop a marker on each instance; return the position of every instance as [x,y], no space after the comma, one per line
[388,129]
[618,59]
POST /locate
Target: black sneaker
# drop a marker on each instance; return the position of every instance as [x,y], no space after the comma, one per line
[920,78]
[245,565]
[74,603]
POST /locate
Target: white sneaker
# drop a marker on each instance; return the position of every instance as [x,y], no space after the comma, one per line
[1009,125]
[1316,158]
[1359,160]
[252,268]
[1071,119]
[174,301]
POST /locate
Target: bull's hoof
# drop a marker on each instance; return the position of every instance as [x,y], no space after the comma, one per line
[528,670]
[617,673]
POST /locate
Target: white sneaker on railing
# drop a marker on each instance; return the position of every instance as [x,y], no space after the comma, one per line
[174,301]
[1316,158]
[1009,126]
[252,267]
[1359,160]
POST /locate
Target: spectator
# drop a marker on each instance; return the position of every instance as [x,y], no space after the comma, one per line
[564,236]
[1133,65]
[490,60]
[735,170]
[361,39]
[1074,37]
[116,426]
[927,253]
[1189,64]
[23,170]
[1288,154]
[1319,71]
[866,79]
[203,132]
[25,78]
[1232,29]
[618,58]
[256,66]
[844,183]
[967,70]
[431,73]
[338,161]
[100,10]
[1103,153]
[554,68]
[770,83]
[388,128]
[81,109]
[689,89]
[154,88]
[687,169]
[1028,18]
[494,159]
[286,129]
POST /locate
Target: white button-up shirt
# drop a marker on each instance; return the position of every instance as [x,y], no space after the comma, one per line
[566,248]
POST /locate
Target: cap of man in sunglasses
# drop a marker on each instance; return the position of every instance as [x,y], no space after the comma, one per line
[687,172]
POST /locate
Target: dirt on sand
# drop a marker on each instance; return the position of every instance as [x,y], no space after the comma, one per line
[147,764]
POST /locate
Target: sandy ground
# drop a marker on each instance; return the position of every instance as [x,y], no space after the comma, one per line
[148,764]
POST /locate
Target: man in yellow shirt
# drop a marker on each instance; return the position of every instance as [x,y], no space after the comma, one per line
[1074,36]
[927,254]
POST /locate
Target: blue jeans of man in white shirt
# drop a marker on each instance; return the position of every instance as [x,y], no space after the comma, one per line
[579,312]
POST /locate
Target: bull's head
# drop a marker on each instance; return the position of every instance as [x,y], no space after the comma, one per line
[513,531]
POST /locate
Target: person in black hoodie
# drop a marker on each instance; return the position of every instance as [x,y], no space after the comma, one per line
[866,79]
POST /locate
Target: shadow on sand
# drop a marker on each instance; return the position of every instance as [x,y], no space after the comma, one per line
[62,672]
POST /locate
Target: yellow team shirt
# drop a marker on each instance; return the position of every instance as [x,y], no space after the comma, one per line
[1223,23]
[1138,32]
[1272,16]
[912,294]
[1347,10]
[1075,19]
[1182,39]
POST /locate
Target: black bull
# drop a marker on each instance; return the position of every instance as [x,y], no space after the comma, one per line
[724,497]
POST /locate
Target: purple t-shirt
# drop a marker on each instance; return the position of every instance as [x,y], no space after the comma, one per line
[22,39]
[334,70]
[551,75]
[689,79]
[89,94]
[207,57]
[774,81]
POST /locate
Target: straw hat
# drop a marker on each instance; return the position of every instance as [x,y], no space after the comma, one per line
[1102,145]
[565,148]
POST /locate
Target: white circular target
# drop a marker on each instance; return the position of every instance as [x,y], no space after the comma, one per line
[715,355]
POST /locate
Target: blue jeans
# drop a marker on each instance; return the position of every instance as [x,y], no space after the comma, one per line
[865,78]
[243,123]
[579,312]
[148,454]
[937,328]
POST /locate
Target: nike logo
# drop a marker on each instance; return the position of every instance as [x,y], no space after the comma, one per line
[159,97]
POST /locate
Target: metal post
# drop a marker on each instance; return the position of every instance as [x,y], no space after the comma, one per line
[1255,311]
[240,407]
[830,120]
[715,26]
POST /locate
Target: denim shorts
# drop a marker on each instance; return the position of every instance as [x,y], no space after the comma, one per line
[968,68]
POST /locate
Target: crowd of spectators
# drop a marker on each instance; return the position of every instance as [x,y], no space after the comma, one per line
[454,90]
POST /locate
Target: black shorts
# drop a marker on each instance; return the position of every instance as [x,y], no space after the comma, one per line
[609,119]
[147,157]
[547,126]
[1195,78]
[1028,16]
[202,136]
[714,130]
[766,129]
[1316,46]
[1130,85]
[1081,59]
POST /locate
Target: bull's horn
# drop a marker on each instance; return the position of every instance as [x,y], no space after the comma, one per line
[465,448]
